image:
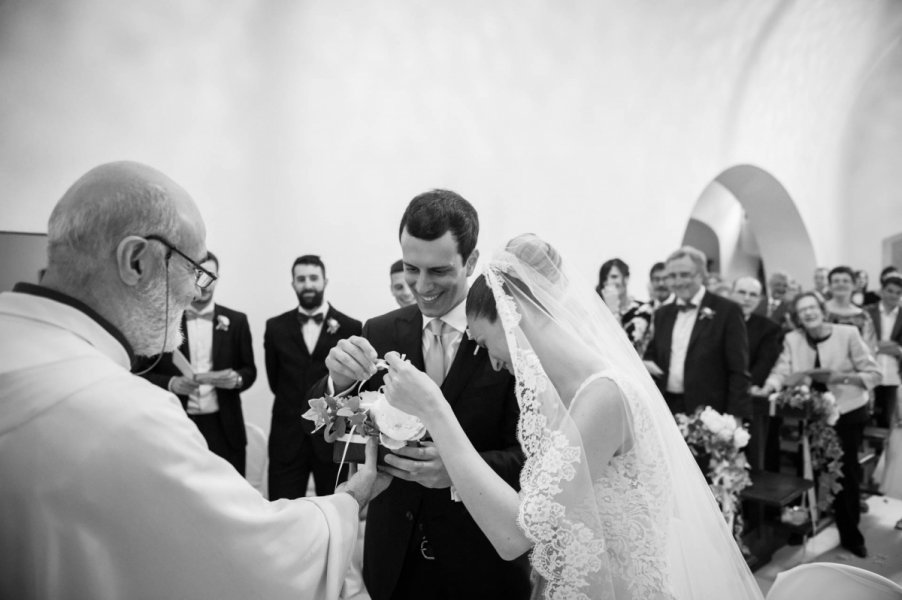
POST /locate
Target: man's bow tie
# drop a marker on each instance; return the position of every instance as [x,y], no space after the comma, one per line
[304,317]
[207,316]
[685,307]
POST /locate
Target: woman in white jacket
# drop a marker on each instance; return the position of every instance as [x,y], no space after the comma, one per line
[840,362]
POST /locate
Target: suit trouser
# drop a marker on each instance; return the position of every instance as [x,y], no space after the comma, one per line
[847,503]
[290,479]
[884,404]
[211,428]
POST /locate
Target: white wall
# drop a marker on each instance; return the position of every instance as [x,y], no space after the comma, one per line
[307,126]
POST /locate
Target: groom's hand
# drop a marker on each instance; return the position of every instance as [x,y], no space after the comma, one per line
[352,359]
[421,464]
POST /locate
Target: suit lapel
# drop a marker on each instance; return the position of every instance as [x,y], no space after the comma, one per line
[668,318]
[462,369]
[409,339]
[700,323]
[897,327]
[325,340]
[218,340]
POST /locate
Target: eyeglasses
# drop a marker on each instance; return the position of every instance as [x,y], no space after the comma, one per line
[202,277]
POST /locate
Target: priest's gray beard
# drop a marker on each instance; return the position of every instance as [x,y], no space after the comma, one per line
[148,327]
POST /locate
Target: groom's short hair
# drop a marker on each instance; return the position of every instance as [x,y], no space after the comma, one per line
[431,214]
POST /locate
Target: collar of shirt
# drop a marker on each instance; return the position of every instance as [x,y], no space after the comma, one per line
[207,310]
[696,300]
[888,313]
[321,309]
[456,318]
[64,311]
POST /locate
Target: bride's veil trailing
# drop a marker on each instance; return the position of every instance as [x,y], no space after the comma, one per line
[649,527]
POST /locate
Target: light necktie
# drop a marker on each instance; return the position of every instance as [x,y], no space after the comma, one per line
[435,352]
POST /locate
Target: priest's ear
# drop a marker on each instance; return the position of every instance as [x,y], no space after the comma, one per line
[134,260]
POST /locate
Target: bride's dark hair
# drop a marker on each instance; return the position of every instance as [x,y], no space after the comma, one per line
[481,301]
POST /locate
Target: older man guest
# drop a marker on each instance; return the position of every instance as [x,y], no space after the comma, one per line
[699,352]
[109,490]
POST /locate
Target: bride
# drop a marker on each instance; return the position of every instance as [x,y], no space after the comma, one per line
[611,503]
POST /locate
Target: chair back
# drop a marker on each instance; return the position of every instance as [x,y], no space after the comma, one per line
[832,581]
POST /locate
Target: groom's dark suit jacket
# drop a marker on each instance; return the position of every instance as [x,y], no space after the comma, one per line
[231,349]
[486,406]
[716,371]
[291,370]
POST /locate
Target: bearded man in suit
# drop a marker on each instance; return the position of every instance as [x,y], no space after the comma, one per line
[420,542]
[296,344]
[699,355]
[217,345]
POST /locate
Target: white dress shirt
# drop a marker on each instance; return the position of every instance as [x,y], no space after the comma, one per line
[888,364]
[679,342]
[311,329]
[456,324]
[200,347]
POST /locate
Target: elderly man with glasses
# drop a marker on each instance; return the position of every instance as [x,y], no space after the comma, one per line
[108,489]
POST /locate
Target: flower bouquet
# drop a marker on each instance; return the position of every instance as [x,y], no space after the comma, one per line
[721,438]
[347,419]
[822,453]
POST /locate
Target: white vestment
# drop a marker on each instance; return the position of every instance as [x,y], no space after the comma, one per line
[108,490]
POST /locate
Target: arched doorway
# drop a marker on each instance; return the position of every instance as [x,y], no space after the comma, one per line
[757,226]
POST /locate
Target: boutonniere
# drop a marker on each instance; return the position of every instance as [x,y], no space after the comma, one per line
[222,323]
[332,326]
[705,313]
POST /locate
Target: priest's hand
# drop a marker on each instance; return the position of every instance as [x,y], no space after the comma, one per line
[352,359]
[365,482]
[421,464]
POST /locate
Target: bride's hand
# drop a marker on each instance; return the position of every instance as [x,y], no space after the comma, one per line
[411,390]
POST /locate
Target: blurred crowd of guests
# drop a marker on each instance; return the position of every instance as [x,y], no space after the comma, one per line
[710,342]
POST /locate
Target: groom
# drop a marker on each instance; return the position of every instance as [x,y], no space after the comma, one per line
[420,542]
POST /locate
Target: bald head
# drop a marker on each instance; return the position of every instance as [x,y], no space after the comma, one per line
[747,293]
[113,201]
[98,249]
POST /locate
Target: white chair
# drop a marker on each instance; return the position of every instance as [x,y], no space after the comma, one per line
[256,462]
[832,581]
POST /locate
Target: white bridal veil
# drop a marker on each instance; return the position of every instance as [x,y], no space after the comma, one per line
[647,526]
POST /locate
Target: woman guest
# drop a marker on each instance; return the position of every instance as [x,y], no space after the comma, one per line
[845,367]
[840,308]
[634,316]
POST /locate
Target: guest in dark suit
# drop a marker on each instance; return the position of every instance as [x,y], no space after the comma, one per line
[218,346]
[888,326]
[765,345]
[420,542]
[699,354]
[296,344]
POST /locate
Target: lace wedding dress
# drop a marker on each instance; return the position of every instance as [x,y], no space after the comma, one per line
[646,526]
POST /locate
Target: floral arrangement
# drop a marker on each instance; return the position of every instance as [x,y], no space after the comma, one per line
[818,412]
[706,313]
[361,414]
[222,322]
[721,438]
